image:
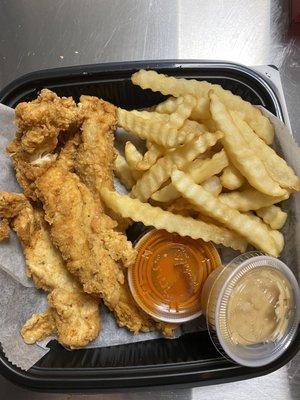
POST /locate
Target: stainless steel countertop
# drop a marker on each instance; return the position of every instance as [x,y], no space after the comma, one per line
[51,33]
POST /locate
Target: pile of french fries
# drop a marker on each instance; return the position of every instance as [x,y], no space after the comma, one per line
[208,172]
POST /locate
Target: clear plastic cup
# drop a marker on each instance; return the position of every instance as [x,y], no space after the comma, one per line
[167,277]
[252,284]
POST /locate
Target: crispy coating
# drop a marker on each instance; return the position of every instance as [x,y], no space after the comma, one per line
[4,229]
[45,266]
[40,121]
[76,317]
[39,124]
[38,327]
[76,223]
[82,247]
[67,155]
[96,154]
[11,204]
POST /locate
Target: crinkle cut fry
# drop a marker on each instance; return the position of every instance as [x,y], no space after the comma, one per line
[239,152]
[254,232]
[169,85]
[155,216]
[152,180]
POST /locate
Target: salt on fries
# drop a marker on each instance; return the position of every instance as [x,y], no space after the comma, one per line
[160,219]
[254,231]
[169,85]
[212,144]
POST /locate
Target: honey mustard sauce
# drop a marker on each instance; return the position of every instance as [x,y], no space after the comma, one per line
[259,307]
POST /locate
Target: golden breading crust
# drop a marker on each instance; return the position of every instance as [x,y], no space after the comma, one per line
[39,123]
[4,229]
[45,266]
[76,222]
[38,327]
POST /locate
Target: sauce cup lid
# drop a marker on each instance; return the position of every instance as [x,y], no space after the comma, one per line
[255,314]
[167,277]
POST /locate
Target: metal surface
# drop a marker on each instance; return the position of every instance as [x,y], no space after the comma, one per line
[50,33]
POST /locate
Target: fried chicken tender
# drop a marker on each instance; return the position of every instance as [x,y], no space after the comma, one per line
[76,317]
[96,154]
[39,124]
[40,121]
[44,264]
[76,225]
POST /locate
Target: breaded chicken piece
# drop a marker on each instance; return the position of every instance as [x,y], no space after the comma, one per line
[45,266]
[94,165]
[96,154]
[76,317]
[76,220]
[40,121]
[38,327]
[39,124]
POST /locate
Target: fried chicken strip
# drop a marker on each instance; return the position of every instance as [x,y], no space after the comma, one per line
[69,306]
[94,165]
[39,124]
[76,220]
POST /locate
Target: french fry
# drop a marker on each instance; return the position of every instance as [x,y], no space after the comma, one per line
[239,152]
[132,155]
[123,172]
[273,216]
[152,179]
[150,157]
[213,185]
[160,219]
[168,85]
[183,111]
[199,171]
[200,110]
[161,133]
[250,199]
[277,167]
[276,235]
[255,232]
[231,178]
[192,128]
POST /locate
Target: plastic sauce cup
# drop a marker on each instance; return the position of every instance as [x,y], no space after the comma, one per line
[167,278]
[252,308]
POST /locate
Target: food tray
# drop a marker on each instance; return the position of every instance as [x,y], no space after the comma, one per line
[190,360]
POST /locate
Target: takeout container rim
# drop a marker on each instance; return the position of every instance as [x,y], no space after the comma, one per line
[177,374]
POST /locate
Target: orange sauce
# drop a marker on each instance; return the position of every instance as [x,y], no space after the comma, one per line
[167,277]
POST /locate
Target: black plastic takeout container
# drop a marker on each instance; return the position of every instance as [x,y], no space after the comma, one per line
[190,360]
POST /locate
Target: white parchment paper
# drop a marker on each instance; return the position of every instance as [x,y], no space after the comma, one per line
[19,299]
